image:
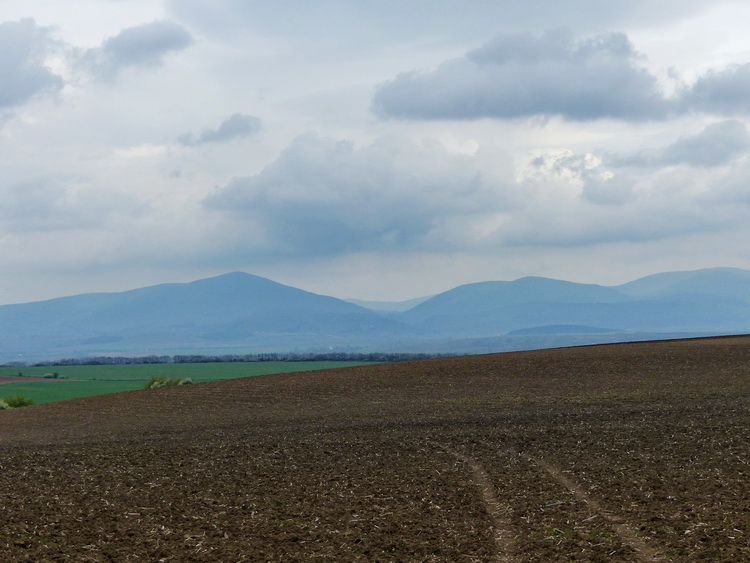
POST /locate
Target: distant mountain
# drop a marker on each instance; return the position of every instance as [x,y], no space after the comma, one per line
[714,300]
[725,283]
[493,308]
[228,313]
[243,313]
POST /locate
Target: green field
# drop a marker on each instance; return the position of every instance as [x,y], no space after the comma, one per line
[82,381]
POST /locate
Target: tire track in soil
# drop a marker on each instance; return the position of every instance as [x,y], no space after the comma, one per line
[498,512]
[627,534]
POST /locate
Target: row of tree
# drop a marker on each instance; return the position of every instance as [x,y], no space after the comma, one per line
[267,357]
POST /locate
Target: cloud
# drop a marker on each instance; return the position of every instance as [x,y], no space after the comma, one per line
[323,197]
[371,22]
[585,172]
[24,46]
[716,145]
[47,204]
[27,204]
[554,74]
[721,92]
[523,75]
[695,186]
[731,189]
[235,126]
[657,194]
[576,200]
[140,46]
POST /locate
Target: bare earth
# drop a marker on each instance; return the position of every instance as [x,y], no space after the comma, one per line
[17,379]
[633,452]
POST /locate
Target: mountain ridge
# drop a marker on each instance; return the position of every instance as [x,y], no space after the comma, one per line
[241,312]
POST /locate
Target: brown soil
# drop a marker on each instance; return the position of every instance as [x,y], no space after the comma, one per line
[19,379]
[634,452]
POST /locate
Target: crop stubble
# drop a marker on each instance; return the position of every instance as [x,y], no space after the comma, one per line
[635,452]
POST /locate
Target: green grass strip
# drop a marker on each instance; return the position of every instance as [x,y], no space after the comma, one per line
[83,381]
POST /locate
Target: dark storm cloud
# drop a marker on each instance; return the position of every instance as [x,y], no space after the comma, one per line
[23,73]
[235,126]
[527,75]
[140,46]
[323,197]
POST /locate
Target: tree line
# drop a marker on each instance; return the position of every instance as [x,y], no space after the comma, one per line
[264,357]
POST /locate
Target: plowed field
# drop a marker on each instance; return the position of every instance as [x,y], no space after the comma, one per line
[632,452]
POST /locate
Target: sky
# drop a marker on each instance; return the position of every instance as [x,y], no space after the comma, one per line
[377,149]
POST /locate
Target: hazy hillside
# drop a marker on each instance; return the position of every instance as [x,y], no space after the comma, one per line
[243,313]
[221,313]
[492,308]
[716,300]
[726,283]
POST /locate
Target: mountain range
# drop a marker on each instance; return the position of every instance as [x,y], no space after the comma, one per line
[244,313]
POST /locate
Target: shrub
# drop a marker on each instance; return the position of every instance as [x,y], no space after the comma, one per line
[3,405]
[156,382]
[161,381]
[16,401]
